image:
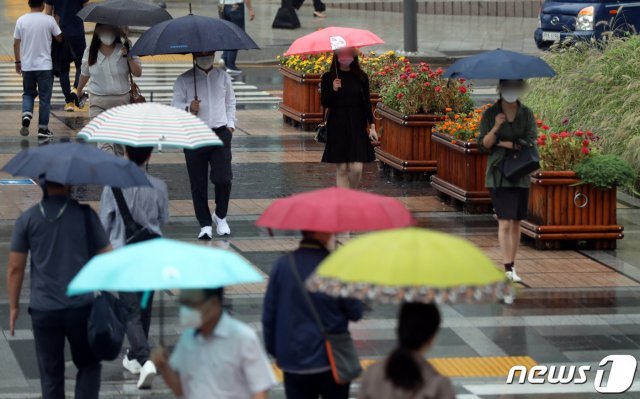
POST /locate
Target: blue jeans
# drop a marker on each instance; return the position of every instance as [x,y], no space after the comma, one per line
[37,84]
[233,13]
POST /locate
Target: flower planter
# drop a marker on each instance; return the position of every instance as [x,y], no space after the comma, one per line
[560,212]
[301,98]
[407,141]
[375,99]
[461,173]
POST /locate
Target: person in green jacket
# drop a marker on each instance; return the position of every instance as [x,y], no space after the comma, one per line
[505,126]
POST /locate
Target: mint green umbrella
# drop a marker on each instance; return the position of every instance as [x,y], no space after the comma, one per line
[163,264]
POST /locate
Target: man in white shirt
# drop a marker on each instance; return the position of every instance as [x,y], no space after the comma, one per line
[217,356]
[212,99]
[32,49]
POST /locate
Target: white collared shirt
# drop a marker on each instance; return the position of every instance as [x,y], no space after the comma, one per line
[109,76]
[215,92]
[229,364]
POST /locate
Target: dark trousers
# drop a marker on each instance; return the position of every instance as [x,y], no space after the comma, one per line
[314,386]
[233,13]
[37,84]
[318,5]
[198,163]
[50,329]
[70,51]
[138,323]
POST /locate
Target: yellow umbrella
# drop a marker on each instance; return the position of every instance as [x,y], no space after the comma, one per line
[412,265]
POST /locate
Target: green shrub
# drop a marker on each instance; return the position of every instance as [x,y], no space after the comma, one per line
[597,88]
[605,171]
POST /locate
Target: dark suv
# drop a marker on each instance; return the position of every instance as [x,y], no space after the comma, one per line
[580,19]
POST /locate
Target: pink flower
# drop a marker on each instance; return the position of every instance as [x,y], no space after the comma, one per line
[585,150]
[413,75]
[438,89]
[463,89]
[399,96]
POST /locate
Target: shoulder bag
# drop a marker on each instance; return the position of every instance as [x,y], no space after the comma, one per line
[321,130]
[107,321]
[343,357]
[135,95]
[134,231]
[520,162]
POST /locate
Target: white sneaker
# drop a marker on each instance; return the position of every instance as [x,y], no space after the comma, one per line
[132,365]
[147,373]
[513,276]
[222,227]
[206,233]
[231,71]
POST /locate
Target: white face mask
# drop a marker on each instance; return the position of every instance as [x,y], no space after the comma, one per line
[107,38]
[205,62]
[190,318]
[511,95]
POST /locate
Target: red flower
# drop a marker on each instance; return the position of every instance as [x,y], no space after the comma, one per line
[579,133]
[545,127]
[564,135]
[543,137]
[382,74]
[541,142]
[387,68]
[439,71]
[396,65]
[406,61]
[438,89]
[403,76]
[585,150]
[303,58]
[463,89]
[462,80]
[408,69]
[539,122]
[427,84]
[589,134]
[413,75]
[565,121]
[424,69]
[585,143]
[554,136]
[399,96]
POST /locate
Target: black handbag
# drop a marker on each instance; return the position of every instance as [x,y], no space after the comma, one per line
[107,322]
[521,162]
[343,357]
[107,326]
[321,131]
[134,232]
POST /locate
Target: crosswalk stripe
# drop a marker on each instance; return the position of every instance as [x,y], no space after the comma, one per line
[157,80]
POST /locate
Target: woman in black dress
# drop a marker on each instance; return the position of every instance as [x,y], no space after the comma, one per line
[351,132]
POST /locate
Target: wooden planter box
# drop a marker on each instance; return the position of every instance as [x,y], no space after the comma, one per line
[560,212]
[407,141]
[461,173]
[375,99]
[301,98]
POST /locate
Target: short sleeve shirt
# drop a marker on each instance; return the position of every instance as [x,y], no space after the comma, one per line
[67,10]
[58,248]
[230,364]
[35,31]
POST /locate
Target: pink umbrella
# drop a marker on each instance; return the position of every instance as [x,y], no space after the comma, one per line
[336,210]
[331,39]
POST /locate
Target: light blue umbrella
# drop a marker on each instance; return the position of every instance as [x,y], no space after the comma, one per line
[163,264]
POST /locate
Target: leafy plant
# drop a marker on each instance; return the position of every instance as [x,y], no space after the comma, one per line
[605,171]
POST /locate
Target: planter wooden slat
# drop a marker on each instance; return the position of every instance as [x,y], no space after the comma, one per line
[407,141]
[300,98]
[556,215]
[461,173]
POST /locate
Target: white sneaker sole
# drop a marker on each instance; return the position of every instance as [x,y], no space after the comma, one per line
[147,381]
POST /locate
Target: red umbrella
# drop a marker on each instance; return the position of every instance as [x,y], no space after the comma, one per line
[336,210]
[331,39]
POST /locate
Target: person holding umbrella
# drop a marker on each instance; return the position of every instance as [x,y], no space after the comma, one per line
[233,11]
[351,129]
[405,374]
[207,92]
[505,126]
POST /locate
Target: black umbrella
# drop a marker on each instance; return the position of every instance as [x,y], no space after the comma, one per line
[76,164]
[192,34]
[124,13]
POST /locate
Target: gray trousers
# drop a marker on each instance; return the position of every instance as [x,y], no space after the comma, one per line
[138,324]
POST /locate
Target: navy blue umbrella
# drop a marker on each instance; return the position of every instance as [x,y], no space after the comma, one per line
[76,164]
[500,64]
[192,34]
[124,13]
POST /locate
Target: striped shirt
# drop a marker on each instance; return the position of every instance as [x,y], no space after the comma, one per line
[149,207]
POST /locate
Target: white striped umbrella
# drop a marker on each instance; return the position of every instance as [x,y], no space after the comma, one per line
[149,125]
